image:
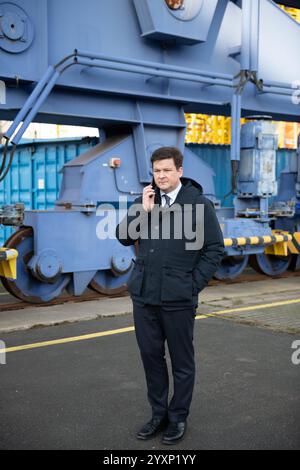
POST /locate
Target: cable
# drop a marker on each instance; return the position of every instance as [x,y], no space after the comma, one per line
[9,163]
[4,155]
[233,191]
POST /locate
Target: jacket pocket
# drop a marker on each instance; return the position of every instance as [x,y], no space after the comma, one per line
[177,285]
[135,282]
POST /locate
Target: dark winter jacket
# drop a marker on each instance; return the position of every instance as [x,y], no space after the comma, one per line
[165,271]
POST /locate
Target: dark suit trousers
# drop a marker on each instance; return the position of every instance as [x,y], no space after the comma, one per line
[153,326]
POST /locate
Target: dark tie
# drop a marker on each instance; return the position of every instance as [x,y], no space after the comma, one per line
[168,200]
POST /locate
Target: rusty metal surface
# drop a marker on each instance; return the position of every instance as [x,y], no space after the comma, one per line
[105,290]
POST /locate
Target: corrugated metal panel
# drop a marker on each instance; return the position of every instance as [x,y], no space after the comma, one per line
[218,157]
[34,177]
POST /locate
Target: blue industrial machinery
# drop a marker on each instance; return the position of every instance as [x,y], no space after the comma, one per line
[288,202]
[132,68]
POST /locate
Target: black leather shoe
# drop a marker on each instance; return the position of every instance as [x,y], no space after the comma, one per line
[152,428]
[174,433]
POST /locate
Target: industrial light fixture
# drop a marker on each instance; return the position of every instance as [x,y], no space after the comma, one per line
[174,4]
[184,10]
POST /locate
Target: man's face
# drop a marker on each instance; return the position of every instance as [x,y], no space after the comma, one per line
[166,175]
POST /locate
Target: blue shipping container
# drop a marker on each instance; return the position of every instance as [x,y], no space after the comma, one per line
[34,177]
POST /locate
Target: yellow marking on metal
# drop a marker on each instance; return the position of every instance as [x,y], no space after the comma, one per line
[294,244]
[131,328]
[276,238]
[292,248]
[282,233]
[279,238]
[280,247]
[278,242]
[8,267]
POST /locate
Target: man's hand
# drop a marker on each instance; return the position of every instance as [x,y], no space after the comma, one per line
[148,198]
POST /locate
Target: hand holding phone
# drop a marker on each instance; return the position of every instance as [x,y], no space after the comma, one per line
[148,198]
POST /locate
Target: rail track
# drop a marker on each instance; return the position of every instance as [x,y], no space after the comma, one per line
[9,303]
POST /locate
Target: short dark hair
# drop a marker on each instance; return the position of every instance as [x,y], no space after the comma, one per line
[168,152]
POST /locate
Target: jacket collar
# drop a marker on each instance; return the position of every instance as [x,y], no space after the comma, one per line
[185,195]
[173,194]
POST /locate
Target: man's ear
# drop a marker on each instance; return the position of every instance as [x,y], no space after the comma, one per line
[180,170]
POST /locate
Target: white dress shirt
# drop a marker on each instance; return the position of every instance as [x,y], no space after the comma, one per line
[172,195]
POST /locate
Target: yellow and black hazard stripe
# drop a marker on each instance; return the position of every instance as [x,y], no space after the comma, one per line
[264,240]
[294,244]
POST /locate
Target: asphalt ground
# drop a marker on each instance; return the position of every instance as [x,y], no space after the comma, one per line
[91,394]
[230,297]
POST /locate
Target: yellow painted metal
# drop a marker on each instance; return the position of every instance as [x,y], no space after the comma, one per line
[293,12]
[278,242]
[254,240]
[294,244]
[280,247]
[8,267]
[204,129]
[296,236]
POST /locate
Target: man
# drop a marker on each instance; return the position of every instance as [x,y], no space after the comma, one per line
[168,274]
